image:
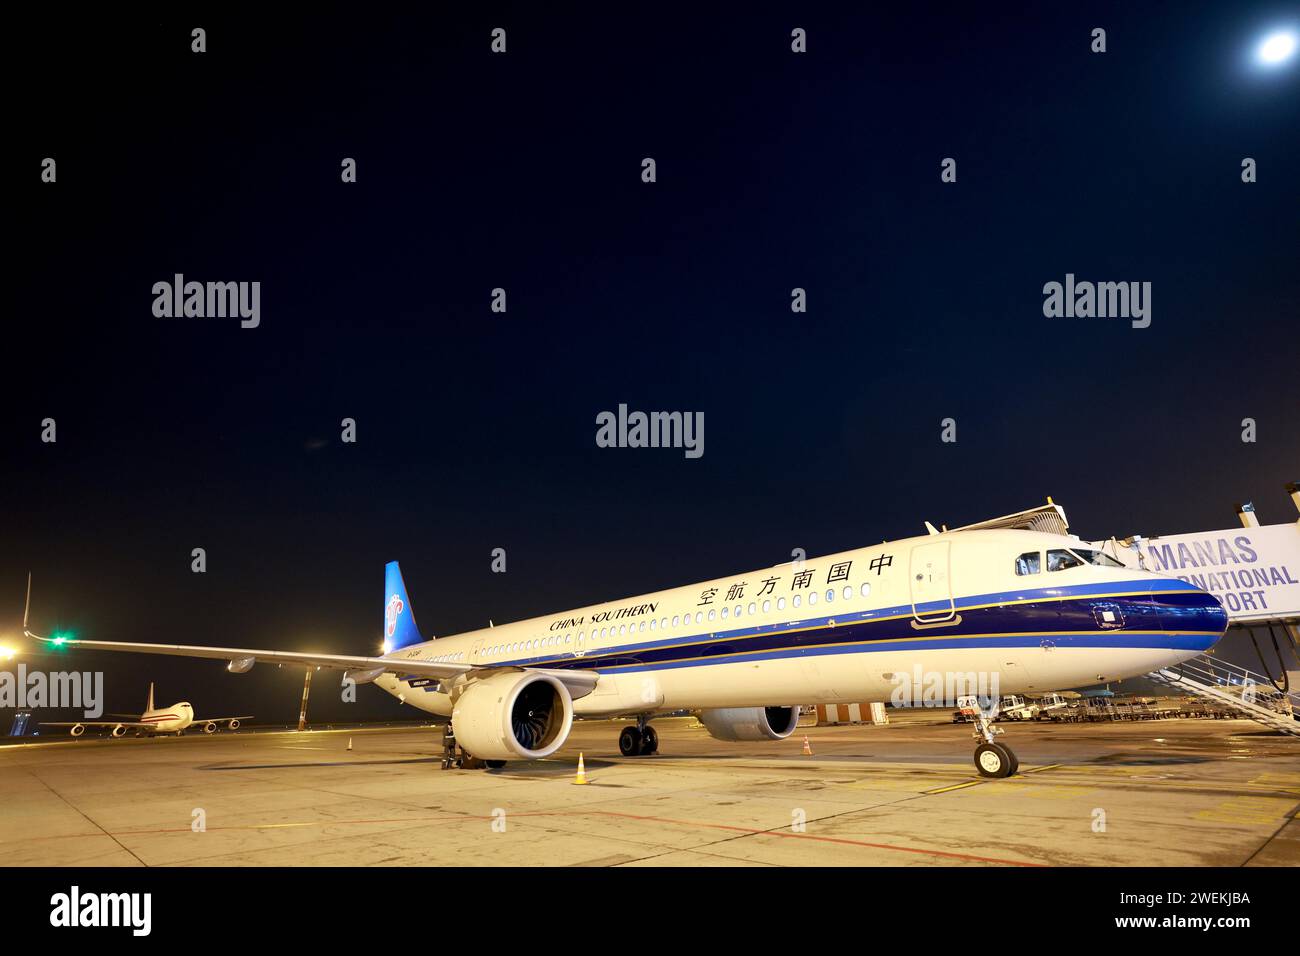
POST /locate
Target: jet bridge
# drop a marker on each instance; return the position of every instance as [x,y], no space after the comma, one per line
[1254,571]
[1245,692]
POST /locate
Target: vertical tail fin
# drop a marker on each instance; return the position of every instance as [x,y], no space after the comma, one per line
[149,703]
[399,620]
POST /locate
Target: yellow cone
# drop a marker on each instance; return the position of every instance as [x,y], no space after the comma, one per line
[349,743]
[807,747]
[582,771]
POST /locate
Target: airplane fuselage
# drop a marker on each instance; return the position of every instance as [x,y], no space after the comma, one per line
[854,626]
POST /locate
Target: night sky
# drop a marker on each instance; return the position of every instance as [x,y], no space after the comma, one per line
[476,430]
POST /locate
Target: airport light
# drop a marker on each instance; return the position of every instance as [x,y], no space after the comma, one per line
[7,653]
[1277,48]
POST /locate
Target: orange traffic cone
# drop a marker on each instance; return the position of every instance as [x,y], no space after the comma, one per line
[807,747]
[349,743]
[582,771]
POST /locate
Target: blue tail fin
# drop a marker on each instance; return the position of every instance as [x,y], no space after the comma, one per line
[399,620]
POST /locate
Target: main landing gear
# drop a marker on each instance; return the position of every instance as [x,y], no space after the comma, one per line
[638,741]
[992,759]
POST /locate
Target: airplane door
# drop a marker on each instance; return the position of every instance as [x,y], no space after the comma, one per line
[932,601]
[478,646]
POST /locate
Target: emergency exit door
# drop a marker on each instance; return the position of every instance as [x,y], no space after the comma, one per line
[932,601]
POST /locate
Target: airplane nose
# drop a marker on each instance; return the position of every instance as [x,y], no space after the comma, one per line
[1193,612]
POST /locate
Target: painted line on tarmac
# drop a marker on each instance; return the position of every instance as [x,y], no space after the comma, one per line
[731,828]
[955,786]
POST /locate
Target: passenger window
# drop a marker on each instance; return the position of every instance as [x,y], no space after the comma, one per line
[796,599]
[780,602]
[751,607]
[1029,562]
[848,593]
[1059,560]
[830,595]
[767,607]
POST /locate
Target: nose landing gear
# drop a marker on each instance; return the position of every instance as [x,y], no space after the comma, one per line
[992,759]
[638,741]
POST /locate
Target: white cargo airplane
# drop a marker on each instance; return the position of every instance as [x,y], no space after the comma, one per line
[154,720]
[1038,610]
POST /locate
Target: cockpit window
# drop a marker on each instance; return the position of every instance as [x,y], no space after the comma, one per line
[1059,559]
[1029,563]
[1098,558]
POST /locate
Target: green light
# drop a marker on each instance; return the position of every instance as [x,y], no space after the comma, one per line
[58,640]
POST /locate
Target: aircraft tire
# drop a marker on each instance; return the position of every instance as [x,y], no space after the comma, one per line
[649,742]
[994,760]
[629,742]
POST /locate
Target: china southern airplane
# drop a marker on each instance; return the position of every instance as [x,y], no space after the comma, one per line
[154,720]
[1038,611]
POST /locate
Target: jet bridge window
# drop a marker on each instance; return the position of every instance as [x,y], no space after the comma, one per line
[1060,559]
[1029,563]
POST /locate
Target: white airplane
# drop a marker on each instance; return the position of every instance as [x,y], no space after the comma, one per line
[1036,609]
[154,720]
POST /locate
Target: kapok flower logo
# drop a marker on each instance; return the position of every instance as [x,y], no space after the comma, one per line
[393,608]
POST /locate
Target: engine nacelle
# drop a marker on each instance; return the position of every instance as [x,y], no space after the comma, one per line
[77,730]
[210,727]
[233,725]
[241,665]
[119,731]
[514,715]
[750,723]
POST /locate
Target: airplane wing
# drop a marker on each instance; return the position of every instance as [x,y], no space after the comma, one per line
[217,720]
[578,683]
[133,724]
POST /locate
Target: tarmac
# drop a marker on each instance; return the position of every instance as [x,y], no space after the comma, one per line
[1150,793]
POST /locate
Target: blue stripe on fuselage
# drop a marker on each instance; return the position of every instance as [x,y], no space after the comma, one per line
[1063,614]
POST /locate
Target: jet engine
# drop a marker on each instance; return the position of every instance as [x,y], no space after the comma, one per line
[210,727]
[513,715]
[750,723]
[233,724]
[77,730]
[119,731]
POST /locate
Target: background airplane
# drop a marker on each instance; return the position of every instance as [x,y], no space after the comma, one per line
[154,720]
